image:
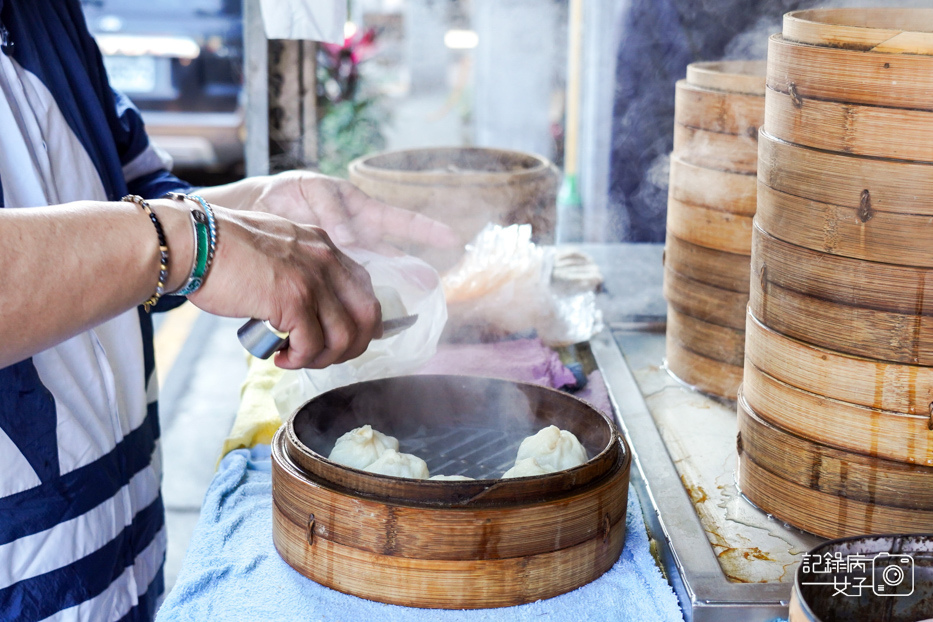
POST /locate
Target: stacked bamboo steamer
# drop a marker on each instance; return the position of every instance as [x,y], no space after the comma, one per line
[711,202]
[836,410]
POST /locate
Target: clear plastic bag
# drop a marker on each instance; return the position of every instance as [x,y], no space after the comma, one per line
[505,282]
[419,288]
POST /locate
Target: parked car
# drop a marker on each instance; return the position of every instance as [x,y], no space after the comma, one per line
[181,62]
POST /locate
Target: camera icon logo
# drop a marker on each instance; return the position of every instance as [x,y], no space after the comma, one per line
[892,575]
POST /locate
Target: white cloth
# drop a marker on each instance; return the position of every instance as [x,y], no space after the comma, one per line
[310,20]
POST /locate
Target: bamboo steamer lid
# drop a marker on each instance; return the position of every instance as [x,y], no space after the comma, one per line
[712,228]
[847,378]
[717,268]
[705,302]
[859,331]
[889,30]
[851,76]
[869,184]
[715,189]
[873,131]
[719,343]
[718,111]
[737,153]
[824,514]
[733,76]
[843,280]
[701,372]
[843,425]
[845,474]
[899,237]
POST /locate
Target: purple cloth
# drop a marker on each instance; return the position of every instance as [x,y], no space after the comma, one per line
[522,360]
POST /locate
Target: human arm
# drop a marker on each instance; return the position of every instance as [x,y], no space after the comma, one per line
[68,268]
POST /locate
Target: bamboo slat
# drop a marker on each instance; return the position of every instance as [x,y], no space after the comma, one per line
[859,331]
[890,30]
[721,190]
[832,471]
[716,268]
[719,343]
[850,427]
[734,76]
[728,152]
[843,280]
[407,531]
[702,373]
[869,184]
[895,237]
[705,302]
[850,128]
[711,228]
[875,384]
[448,584]
[718,111]
[825,515]
[873,78]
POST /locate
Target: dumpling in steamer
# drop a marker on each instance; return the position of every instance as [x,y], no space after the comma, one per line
[525,468]
[361,447]
[450,478]
[391,462]
[553,448]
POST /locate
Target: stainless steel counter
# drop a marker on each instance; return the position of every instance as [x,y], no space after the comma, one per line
[726,559]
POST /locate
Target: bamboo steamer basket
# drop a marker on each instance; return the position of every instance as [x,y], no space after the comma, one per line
[851,76]
[719,343]
[700,372]
[465,188]
[829,470]
[719,111]
[875,384]
[831,593]
[711,228]
[705,302]
[698,263]
[878,433]
[712,188]
[870,184]
[729,152]
[838,230]
[837,516]
[890,30]
[449,544]
[859,331]
[843,280]
[733,76]
[850,128]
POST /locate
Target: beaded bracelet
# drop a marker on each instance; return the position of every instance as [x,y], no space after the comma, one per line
[163,250]
[205,241]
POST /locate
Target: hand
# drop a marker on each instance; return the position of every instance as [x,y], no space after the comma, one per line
[350,217]
[273,269]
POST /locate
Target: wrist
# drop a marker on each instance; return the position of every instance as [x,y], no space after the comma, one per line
[176,223]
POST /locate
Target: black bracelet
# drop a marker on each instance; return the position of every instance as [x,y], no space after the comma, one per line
[163,250]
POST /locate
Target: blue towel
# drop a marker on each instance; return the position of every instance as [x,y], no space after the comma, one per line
[232,571]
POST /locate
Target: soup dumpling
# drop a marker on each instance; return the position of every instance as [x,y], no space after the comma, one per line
[553,448]
[391,462]
[525,468]
[361,447]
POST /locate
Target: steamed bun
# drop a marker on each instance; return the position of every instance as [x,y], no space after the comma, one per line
[553,448]
[450,478]
[361,447]
[525,468]
[391,462]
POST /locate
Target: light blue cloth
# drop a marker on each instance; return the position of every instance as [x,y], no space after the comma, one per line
[233,572]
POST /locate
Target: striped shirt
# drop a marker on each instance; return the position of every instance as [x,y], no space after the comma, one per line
[82,533]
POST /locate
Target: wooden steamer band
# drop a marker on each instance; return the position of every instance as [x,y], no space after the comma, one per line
[711,228]
[851,76]
[710,340]
[705,302]
[892,30]
[715,189]
[728,152]
[832,471]
[506,558]
[733,76]
[718,111]
[873,131]
[840,230]
[717,268]
[702,372]
[827,515]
